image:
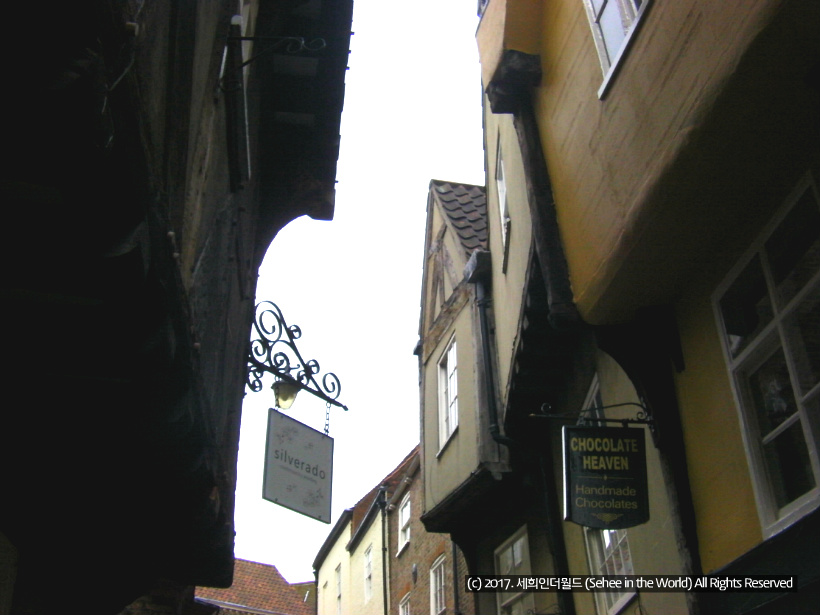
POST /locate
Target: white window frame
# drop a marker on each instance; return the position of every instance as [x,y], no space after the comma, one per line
[448,393]
[368,573]
[631,13]
[773,338]
[404,604]
[598,541]
[405,512]
[518,563]
[603,548]
[438,602]
[503,208]
[338,573]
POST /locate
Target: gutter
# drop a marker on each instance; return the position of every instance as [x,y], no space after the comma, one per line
[368,518]
[327,545]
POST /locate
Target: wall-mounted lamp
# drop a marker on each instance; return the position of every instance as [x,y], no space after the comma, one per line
[284,394]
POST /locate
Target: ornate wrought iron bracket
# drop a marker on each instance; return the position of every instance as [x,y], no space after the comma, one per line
[273,351]
[587,416]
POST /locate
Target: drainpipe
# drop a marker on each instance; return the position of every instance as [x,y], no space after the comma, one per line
[456,601]
[477,270]
[382,501]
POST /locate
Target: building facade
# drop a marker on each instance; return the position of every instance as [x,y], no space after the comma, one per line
[653,224]
[154,150]
[379,558]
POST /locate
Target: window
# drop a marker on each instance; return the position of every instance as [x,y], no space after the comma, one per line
[608,550]
[404,605]
[339,589]
[612,23]
[448,394]
[501,186]
[437,604]
[404,522]
[769,312]
[513,557]
[609,554]
[368,573]
[503,210]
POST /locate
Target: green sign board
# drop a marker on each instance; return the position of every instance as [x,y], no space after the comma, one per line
[605,477]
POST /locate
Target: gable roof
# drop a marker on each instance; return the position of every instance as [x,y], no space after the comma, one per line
[260,588]
[365,508]
[465,206]
[363,512]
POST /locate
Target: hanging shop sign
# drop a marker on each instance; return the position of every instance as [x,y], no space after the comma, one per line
[605,483]
[298,467]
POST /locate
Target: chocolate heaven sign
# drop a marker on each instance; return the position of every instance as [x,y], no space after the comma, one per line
[605,477]
[298,467]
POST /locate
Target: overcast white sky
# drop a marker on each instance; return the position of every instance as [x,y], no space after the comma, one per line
[412,113]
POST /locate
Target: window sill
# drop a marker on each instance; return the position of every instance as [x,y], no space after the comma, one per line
[622,603]
[447,443]
[793,513]
[402,548]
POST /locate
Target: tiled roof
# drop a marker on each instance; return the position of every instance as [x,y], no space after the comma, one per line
[390,482]
[466,208]
[260,587]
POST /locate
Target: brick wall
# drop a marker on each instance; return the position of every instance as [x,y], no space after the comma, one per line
[420,553]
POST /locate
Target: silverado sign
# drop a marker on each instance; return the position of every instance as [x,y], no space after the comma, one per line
[298,467]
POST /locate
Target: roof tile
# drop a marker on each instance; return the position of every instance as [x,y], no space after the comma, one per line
[466,207]
[260,587]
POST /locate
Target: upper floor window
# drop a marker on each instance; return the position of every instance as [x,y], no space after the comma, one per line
[368,573]
[769,312]
[503,210]
[448,394]
[612,23]
[437,602]
[609,554]
[404,605]
[513,558]
[338,575]
[404,522]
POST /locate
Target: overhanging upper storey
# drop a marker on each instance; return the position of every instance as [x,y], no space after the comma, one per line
[301,98]
[509,31]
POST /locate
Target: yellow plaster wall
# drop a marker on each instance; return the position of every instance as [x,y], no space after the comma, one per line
[508,288]
[490,39]
[603,155]
[507,24]
[521,28]
[722,492]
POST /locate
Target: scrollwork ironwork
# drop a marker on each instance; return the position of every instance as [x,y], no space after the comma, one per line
[589,415]
[273,350]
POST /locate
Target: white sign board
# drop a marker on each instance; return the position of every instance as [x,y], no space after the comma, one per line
[298,467]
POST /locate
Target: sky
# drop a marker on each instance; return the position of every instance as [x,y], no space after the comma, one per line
[412,113]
